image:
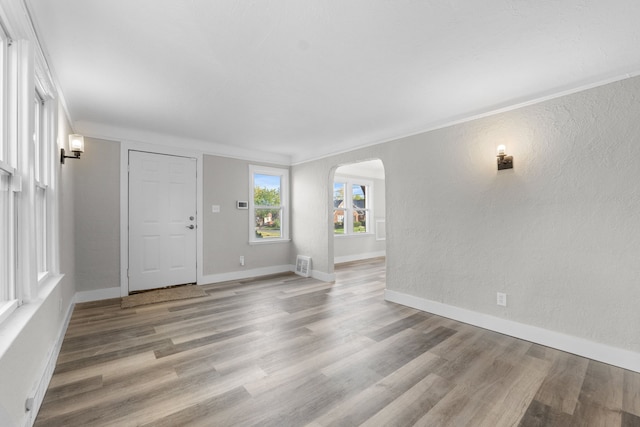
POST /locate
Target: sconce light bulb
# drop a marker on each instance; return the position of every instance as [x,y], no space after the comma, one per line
[76,143]
[501,150]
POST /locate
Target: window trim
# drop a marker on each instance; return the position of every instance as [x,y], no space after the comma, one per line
[283,173]
[10,295]
[349,182]
[5,151]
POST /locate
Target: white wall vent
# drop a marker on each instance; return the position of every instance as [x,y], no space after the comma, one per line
[303,266]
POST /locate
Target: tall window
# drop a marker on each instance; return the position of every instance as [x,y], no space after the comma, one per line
[41,151]
[7,196]
[6,227]
[351,206]
[4,146]
[268,204]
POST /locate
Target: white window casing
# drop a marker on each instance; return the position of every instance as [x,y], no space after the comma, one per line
[262,227]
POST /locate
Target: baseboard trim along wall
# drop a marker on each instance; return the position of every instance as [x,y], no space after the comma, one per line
[97,295]
[601,352]
[108,293]
[319,275]
[245,274]
[359,257]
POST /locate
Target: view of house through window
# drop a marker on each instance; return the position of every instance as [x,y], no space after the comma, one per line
[268,210]
[351,210]
[269,193]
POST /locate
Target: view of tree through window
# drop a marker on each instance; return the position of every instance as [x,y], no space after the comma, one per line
[268,207]
[350,208]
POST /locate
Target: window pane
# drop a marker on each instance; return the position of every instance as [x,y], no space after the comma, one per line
[36,138]
[266,190]
[338,221]
[41,229]
[359,221]
[359,194]
[3,97]
[6,292]
[268,223]
[338,194]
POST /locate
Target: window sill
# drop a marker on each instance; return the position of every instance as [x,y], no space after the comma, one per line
[6,308]
[348,236]
[18,319]
[268,241]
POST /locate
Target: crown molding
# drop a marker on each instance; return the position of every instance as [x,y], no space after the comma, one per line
[103,131]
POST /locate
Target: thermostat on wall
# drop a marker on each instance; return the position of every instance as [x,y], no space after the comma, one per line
[242,205]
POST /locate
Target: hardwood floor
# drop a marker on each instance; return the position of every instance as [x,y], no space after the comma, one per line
[290,351]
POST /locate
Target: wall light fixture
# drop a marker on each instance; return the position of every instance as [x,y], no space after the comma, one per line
[504,161]
[76,146]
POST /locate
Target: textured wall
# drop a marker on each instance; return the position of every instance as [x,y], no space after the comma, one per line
[226,234]
[558,233]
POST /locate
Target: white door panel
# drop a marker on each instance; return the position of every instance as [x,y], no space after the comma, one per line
[162,212]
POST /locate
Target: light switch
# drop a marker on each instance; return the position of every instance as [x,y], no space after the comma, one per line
[215,208]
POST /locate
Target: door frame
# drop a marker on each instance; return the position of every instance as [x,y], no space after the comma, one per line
[125,147]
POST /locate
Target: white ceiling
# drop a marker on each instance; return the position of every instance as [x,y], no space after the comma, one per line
[367,169]
[299,79]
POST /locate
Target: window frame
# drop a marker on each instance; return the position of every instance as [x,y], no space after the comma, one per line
[4,69]
[348,208]
[42,152]
[283,173]
[10,294]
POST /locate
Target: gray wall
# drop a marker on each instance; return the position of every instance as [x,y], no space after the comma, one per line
[558,233]
[226,234]
[97,218]
[97,215]
[361,246]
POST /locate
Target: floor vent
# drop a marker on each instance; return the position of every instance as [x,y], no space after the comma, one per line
[303,266]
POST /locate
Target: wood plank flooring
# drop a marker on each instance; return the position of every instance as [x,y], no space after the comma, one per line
[291,351]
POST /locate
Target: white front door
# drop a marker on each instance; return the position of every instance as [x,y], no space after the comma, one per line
[162,220]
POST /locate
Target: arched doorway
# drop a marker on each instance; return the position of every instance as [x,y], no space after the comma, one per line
[358,211]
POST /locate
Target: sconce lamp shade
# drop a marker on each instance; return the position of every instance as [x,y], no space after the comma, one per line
[76,143]
[504,161]
[76,146]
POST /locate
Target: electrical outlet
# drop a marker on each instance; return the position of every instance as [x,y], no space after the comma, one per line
[242,260]
[502,299]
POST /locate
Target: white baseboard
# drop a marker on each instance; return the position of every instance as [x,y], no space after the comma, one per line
[359,257]
[325,277]
[625,359]
[244,274]
[257,272]
[47,374]
[97,295]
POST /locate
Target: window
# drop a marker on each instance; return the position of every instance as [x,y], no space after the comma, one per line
[4,148]
[351,206]
[40,141]
[8,297]
[28,202]
[6,225]
[268,204]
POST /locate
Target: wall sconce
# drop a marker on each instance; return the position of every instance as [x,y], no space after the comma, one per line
[504,161]
[76,145]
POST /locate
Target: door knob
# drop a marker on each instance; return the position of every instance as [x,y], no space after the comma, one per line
[191,218]
[191,227]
